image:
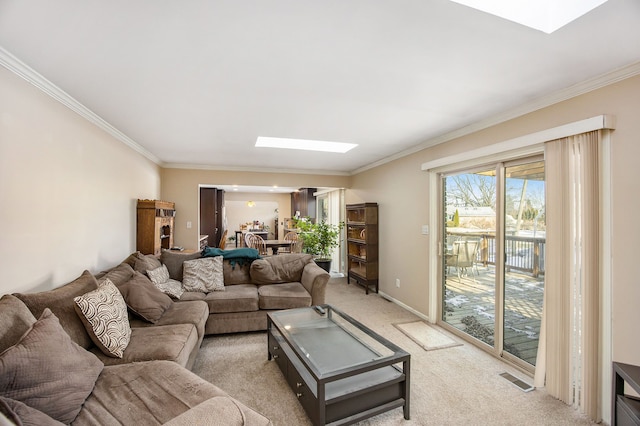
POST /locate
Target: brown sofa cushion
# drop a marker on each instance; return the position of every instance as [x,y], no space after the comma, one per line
[220,410]
[104,314]
[131,259]
[60,301]
[236,298]
[190,296]
[191,312]
[21,414]
[174,261]
[283,296]
[146,262]
[236,272]
[160,342]
[144,299]
[46,370]
[144,393]
[118,275]
[15,320]
[279,269]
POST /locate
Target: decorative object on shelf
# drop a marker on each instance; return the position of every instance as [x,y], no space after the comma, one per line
[362,245]
[319,239]
[251,203]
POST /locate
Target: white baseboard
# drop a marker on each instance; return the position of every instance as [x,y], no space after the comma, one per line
[408,308]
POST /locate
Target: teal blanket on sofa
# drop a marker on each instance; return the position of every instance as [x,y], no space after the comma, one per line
[239,255]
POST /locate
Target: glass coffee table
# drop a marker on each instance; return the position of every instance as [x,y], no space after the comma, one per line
[341,371]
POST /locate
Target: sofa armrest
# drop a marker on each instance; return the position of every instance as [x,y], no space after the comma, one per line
[314,280]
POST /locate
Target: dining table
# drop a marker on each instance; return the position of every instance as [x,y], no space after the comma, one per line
[276,244]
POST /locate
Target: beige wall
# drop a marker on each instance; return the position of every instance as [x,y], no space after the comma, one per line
[68,191]
[182,187]
[400,188]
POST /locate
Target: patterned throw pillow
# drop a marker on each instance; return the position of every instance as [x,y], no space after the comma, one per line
[104,315]
[159,274]
[218,274]
[160,278]
[203,275]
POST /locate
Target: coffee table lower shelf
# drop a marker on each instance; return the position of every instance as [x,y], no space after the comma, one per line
[343,401]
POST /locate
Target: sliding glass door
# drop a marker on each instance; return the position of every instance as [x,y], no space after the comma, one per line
[495,301]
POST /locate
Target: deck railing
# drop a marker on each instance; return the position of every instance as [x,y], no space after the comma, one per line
[525,254]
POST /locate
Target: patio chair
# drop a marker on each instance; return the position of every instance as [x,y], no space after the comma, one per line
[463,256]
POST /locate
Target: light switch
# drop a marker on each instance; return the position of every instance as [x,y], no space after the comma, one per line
[188,224]
[425,229]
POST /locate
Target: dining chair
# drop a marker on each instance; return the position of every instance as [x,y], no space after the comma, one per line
[289,236]
[257,242]
[223,240]
[248,237]
[296,247]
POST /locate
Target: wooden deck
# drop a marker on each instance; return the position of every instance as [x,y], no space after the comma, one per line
[470,307]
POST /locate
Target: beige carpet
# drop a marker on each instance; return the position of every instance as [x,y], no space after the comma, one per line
[426,335]
[457,386]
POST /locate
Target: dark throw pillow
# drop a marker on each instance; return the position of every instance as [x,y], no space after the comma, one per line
[144,299]
[22,415]
[47,371]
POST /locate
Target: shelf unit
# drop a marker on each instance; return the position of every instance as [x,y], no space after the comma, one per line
[362,245]
[154,226]
[625,408]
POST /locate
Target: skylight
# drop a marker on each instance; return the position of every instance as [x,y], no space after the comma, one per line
[308,145]
[542,15]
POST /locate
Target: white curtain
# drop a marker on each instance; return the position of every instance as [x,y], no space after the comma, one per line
[568,354]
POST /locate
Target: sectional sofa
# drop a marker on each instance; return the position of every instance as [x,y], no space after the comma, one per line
[58,364]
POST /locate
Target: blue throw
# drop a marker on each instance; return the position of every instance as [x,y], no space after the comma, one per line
[239,255]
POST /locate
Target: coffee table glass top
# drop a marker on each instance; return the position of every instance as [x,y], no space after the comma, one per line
[332,341]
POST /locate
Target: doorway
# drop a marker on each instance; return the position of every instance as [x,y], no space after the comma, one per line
[495,300]
[330,208]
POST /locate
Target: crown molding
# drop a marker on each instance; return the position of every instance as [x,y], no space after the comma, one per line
[252,169]
[570,92]
[27,73]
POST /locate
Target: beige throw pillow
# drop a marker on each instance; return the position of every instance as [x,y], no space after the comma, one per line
[46,370]
[104,314]
[203,275]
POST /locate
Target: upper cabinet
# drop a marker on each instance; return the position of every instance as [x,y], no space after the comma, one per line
[304,201]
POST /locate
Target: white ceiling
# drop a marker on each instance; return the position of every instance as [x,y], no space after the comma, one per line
[196,82]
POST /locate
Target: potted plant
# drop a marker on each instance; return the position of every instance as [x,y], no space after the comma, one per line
[319,239]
